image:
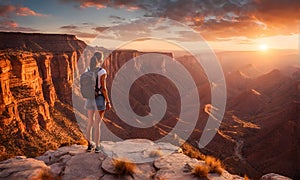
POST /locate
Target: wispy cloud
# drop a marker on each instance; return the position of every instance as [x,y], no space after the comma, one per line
[9,25]
[25,11]
[100,4]
[69,27]
[101,28]
[8,10]
[84,34]
[5,10]
[88,4]
[116,17]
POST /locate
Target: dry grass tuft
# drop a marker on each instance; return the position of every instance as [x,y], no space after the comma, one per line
[246,177]
[200,170]
[214,164]
[123,166]
[191,151]
[156,153]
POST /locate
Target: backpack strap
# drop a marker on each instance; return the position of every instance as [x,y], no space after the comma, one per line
[96,86]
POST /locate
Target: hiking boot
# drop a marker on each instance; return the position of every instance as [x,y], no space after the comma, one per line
[98,149]
[91,146]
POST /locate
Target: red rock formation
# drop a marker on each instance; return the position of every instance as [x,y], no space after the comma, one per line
[44,66]
[32,84]
[62,76]
[5,94]
[26,72]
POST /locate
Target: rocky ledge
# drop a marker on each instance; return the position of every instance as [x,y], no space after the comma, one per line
[152,161]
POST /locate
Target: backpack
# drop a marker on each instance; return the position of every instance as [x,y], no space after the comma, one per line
[89,84]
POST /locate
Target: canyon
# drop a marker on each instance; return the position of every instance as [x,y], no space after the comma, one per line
[41,107]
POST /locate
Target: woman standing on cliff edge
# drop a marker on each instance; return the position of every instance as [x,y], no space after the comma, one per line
[100,103]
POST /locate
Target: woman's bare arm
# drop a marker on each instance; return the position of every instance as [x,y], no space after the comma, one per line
[104,91]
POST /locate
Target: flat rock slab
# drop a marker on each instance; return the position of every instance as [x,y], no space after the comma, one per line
[23,168]
[51,156]
[85,165]
[138,150]
[174,167]
[142,171]
[176,161]
[179,166]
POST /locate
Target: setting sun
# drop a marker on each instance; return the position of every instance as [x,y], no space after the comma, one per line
[263,47]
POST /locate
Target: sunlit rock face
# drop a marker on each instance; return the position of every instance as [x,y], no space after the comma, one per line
[36,75]
[5,95]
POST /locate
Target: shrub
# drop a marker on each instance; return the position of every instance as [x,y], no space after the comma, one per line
[200,170]
[123,166]
[214,164]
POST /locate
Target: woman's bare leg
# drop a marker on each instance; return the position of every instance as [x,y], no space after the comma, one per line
[97,127]
[90,124]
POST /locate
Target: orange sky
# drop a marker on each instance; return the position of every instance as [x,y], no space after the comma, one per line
[273,42]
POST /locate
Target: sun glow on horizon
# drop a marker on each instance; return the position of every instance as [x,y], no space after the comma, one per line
[263,47]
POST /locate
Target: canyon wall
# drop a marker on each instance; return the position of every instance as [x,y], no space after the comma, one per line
[36,76]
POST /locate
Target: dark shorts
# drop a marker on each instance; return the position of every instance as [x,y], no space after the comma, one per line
[95,104]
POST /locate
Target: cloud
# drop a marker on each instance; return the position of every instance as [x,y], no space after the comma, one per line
[129,5]
[9,25]
[84,34]
[127,31]
[101,28]
[217,18]
[116,17]
[7,10]
[25,11]
[143,39]
[69,27]
[87,4]
[87,24]
[278,14]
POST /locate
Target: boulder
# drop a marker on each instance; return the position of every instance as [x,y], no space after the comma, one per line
[273,176]
[84,165]
[24,168]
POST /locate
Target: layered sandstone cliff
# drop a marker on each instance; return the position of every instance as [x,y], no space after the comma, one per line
[36,73]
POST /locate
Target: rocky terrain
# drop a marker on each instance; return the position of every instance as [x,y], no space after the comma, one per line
[73,162]
[262,121]
[259,134]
